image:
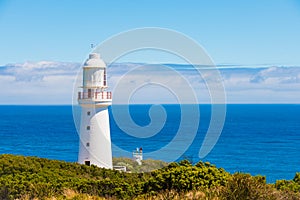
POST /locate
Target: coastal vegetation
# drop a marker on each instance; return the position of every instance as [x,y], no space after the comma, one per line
[132,166]
[38,178]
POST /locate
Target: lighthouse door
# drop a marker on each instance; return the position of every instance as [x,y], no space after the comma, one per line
[87,162]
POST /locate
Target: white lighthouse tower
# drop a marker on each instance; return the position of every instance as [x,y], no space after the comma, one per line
[95,142]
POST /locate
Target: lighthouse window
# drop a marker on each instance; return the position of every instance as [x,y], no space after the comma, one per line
[88,128]
[87,144]
[89,93]
[104,78]
[88,113]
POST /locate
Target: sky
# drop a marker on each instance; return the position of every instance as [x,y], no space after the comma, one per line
[43,43]
[247,32]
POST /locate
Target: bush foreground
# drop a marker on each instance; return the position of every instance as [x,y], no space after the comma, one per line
[37,178]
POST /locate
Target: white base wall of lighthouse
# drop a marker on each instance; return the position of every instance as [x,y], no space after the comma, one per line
[95,141]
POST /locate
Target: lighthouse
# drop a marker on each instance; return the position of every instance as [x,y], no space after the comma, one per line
[94,99]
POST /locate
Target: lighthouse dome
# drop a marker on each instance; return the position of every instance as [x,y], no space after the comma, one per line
[94,60]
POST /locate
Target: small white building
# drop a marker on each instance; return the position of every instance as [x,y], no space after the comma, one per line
[138,155]
[95,141]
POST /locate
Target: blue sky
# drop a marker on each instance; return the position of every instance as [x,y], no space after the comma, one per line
[239,32]
[42,43]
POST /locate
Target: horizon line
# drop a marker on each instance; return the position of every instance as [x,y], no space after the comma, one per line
[240,103]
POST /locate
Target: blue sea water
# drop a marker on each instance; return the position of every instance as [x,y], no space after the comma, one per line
[256,139]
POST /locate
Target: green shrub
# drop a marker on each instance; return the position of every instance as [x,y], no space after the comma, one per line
[40,178]
[186,177]
[297,178]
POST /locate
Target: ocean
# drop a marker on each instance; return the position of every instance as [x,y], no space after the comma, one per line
[256,139]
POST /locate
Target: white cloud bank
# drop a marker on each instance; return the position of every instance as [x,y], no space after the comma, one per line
[263,85]
[37,82]
[52,83]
